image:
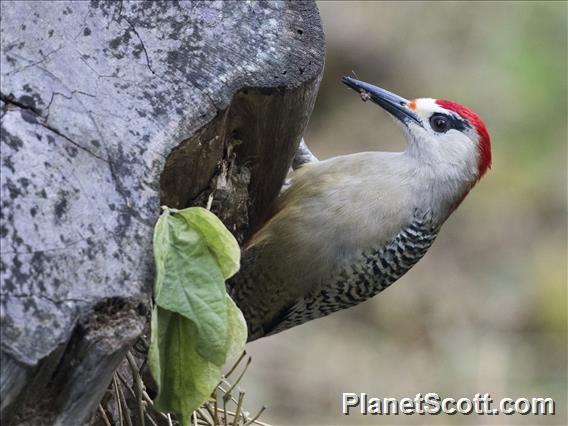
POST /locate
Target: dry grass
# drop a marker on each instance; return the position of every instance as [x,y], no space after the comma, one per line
[129,403]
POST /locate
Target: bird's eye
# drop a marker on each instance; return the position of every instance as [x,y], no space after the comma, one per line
[439,123]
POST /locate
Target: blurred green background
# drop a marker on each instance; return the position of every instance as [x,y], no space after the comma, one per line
[485,310]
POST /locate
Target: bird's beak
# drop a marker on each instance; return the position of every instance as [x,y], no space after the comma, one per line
[394,104]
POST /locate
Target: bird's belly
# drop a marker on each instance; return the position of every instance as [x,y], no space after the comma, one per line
[365,276]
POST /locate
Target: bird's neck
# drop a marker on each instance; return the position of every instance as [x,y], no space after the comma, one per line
[440,185]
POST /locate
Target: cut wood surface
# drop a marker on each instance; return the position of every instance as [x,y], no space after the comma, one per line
[110,109]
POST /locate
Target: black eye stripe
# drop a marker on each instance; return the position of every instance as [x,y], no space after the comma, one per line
[458,123]
[455,122]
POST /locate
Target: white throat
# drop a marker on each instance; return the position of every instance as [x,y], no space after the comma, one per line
[446,168]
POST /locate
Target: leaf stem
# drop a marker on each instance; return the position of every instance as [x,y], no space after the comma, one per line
[139,386]
[254,419]
[104,415]
[118,400]
[238,409]
[235,364]
[238,378]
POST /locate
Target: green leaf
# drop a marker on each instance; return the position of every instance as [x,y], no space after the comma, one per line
[161,244]
[237,330]
[219,240]
[195,324]
[185,380]
[190,283]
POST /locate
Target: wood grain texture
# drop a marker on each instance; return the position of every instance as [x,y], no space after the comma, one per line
[110,109]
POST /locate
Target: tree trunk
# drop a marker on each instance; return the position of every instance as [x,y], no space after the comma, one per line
[110,109]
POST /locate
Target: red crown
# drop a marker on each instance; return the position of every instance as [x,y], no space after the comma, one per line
[477,123]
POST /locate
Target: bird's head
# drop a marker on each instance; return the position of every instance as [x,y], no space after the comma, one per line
[441,133]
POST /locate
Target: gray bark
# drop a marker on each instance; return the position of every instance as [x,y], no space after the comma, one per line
[110,109]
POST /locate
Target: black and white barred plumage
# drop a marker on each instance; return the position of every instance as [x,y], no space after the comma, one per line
[348,285]
[357,282]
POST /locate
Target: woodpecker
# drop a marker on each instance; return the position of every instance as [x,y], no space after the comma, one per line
[348,227]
